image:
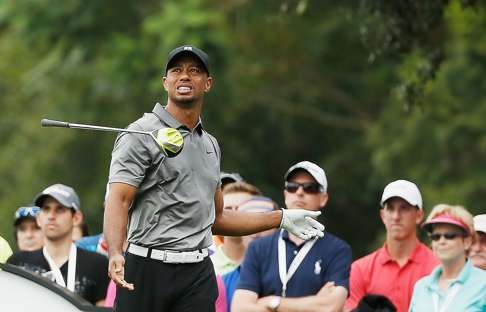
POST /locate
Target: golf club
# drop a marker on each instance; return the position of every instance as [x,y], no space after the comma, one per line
[169,140]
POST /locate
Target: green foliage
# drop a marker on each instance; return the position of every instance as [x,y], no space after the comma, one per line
[442,144]
[294,80]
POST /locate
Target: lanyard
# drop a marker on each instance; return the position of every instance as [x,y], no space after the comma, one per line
[451,293]
[71,268]
[282,261]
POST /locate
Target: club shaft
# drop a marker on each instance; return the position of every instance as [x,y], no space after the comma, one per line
[64,124]
[101,128]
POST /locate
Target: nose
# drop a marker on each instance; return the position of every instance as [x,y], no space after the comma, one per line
[184,75]
[395,213]
[300,190]
[51,214]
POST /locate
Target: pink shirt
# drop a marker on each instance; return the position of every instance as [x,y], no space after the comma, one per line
[377,273]
[110,295]
[220,304]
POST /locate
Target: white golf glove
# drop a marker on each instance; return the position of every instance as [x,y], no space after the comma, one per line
[301,223]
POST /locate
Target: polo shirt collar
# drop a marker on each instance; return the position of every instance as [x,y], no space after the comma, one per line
[285,235]
[171,121]
[461,278]
[384,255]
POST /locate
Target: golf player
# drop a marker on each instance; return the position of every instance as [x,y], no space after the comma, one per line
[170,205]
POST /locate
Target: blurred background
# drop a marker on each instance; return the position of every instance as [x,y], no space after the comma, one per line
[371,90]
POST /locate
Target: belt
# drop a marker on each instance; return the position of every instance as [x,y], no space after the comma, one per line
[169,256]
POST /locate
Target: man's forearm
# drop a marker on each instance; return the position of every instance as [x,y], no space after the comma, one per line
[234,223]
[115,223]
[331,300]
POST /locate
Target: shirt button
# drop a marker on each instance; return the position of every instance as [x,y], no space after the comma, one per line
[295,252]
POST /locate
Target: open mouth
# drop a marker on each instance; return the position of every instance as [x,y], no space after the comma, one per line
[184,89]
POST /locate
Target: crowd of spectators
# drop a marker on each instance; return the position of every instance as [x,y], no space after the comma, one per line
[275,270]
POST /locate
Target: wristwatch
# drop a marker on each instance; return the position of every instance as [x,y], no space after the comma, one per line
[274,303]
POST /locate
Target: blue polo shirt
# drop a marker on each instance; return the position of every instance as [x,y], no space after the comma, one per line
[471,296]
[328,260]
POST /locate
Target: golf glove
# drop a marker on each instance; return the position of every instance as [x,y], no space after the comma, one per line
[301,223]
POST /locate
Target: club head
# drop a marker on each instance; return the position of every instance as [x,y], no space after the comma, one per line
[170,141]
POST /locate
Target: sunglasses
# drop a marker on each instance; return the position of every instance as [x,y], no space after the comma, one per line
[308,187]
[23,212]
[449,236]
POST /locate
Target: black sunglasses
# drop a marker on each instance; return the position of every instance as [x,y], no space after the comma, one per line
[308,187]
[448,235]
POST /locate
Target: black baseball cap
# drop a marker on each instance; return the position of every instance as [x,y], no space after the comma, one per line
[188,49]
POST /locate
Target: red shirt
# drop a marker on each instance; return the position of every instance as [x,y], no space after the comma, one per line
[378,273]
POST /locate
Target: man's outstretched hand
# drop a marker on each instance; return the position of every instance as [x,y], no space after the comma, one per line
[116,271]
[301,223]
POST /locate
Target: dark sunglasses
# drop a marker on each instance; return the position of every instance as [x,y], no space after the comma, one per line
[308,187]
[27,212]
[449,235]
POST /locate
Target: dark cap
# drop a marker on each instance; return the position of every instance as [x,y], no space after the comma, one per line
[62,193]
[230,177]
[191,50]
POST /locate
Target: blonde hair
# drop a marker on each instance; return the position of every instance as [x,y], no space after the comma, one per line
[241,187]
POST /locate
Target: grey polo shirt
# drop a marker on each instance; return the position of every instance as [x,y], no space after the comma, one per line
[174,205]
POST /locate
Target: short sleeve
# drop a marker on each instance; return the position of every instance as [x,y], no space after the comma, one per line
[130,158]
[250,278]
[217,150]
[357,286]
[339,267]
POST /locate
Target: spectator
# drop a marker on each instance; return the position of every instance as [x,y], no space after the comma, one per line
[455,285]
[27,232]
[79,271]
[230,177]
[478,249]
[284,273]
[240,196]
[5,250]
[393,269]
[225,178]
[229,255]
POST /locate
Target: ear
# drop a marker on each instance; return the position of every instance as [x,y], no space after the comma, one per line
[77,218]
[164,83]
[323,199]
[209,84]
[37,220]
[382,215]
[468,242]
[419,216]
